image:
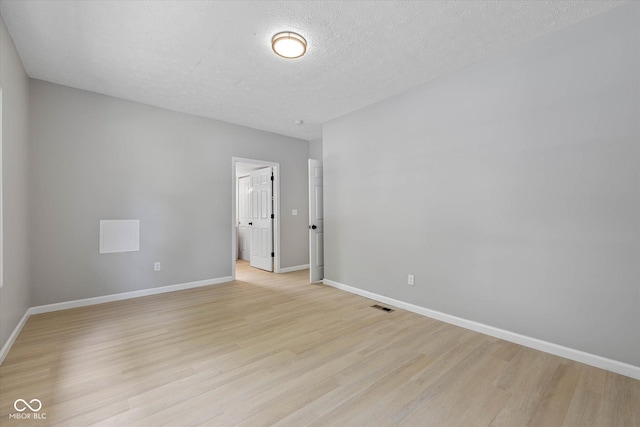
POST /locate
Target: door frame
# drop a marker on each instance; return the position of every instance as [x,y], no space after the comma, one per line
[276,211]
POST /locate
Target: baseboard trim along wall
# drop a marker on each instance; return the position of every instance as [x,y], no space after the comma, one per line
[294,268]
[558,350]
[126,295]
[101,300]
[14,335]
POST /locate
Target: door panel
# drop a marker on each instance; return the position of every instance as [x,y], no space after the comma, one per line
[261,221]
[319,249]
[316,222]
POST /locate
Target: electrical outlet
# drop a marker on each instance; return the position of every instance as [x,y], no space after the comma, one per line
[410,280]
[156,266]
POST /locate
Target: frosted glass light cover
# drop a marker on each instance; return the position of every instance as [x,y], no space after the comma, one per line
[289,45]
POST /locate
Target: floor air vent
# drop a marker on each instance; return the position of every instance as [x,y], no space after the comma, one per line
[379,307]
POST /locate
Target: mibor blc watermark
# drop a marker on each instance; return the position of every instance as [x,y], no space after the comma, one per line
[28,410]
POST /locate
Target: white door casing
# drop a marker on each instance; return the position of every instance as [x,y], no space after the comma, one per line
[316,222]
[244,229]
[261,221]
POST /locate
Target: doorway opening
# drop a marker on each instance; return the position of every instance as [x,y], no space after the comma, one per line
[255,231]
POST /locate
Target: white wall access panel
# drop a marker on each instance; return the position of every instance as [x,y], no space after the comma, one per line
[121,235]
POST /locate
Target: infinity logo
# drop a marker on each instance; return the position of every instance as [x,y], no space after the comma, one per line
[26,405]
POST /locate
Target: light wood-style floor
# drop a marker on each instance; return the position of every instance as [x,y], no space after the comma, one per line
[274,350]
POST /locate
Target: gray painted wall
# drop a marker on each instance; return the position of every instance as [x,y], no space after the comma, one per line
[95,157]
[315,149]
[15,294]
[510,189]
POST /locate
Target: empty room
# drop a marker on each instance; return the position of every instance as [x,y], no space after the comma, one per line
[319,213]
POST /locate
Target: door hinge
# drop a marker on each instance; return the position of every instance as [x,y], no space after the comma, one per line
[273,254]
[272,178]
[272,216]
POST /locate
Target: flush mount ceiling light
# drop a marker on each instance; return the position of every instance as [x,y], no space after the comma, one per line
[289,45]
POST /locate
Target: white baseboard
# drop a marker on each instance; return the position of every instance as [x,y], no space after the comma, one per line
[126,295]
[566,352]
[294,268]
[12,338]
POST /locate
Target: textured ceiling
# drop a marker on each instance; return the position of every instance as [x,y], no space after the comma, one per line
[213,58]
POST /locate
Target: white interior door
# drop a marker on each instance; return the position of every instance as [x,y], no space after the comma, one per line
[316,222]
[244,218]
[261,221]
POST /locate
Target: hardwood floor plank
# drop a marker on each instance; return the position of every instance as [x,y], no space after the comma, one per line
[621,403]
[554,405]
[586,403]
